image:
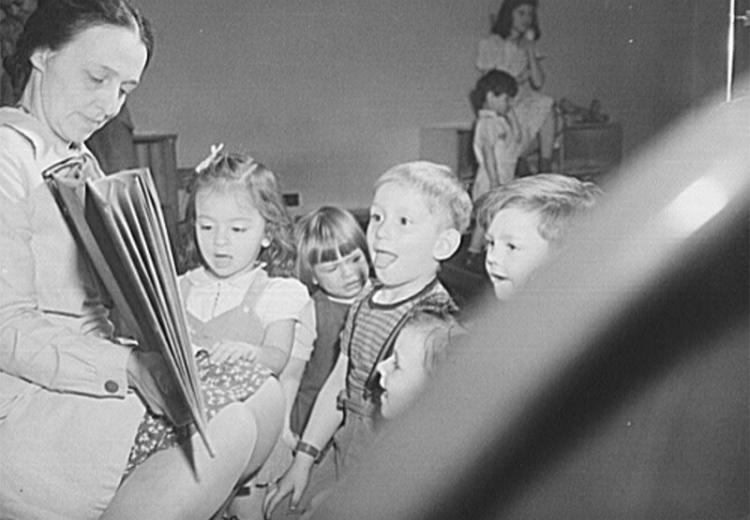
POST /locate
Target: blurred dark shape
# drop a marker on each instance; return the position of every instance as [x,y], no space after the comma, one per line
[614,386]
[113,143]
[575,114]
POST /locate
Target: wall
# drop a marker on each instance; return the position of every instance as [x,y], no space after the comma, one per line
[330,93]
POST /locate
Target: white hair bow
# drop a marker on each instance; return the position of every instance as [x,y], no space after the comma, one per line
[213,154]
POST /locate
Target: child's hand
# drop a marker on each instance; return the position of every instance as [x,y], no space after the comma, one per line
[232,351]
[294,481]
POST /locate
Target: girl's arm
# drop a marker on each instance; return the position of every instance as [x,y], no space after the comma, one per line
[485,137]
[536,74]
[490,164]
[273,352]
[276,345]
[290,379]
[515,125]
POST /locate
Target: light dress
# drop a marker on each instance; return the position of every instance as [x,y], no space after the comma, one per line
[236,309]
[531,106]
[493,132]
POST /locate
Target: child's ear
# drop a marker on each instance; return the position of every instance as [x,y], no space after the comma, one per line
[446,244]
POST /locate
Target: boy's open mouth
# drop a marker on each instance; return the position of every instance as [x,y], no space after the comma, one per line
[383,259]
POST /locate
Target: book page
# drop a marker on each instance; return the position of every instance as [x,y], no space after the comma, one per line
[118,221]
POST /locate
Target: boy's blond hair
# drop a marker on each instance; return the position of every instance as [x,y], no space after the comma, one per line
[445,195]
[557,199]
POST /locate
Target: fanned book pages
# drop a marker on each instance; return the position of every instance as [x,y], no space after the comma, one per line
[118,221]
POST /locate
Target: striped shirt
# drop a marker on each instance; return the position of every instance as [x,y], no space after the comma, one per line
[367,328]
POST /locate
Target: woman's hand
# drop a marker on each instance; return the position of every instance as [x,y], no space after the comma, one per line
[533,72]
[232,351]
[528,46]
[149,375]
[96,323]
[294,481]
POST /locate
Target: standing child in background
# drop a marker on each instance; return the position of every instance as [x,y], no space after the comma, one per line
[241,304]
[526,221]
[332,261]
[512,48]
[418,213]
[497,142]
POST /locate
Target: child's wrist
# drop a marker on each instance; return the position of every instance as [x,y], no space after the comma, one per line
[312,453]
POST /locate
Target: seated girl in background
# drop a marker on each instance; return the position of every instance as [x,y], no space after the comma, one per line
[242,304]
[512,47]
[333,261]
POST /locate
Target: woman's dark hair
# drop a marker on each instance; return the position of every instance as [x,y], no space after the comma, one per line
[495,81]
[57,22]
[504,20]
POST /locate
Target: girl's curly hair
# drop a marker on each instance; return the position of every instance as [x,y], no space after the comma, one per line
[233,171]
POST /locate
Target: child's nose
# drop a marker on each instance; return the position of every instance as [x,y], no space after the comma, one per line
[220,237]
[491,256]
[383,229]
[383,370]
[109,100]
[347,270]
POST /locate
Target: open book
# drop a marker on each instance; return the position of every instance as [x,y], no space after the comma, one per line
[118,221]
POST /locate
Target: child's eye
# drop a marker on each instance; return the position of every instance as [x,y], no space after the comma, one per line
[94,78]
[511,246]
[376,217]
[205,227]
[404,221]
[239,229]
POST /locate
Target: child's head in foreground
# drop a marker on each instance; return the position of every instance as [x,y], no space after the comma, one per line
[525,220]
[240,218]
[422,344]
[417,216]
[332,252]
[494,91]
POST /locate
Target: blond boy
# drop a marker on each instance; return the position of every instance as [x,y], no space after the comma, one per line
[418,213]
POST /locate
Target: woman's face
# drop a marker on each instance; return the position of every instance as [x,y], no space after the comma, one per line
[523,16]
[83,84]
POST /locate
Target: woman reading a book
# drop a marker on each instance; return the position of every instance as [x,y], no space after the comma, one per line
[71,397]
